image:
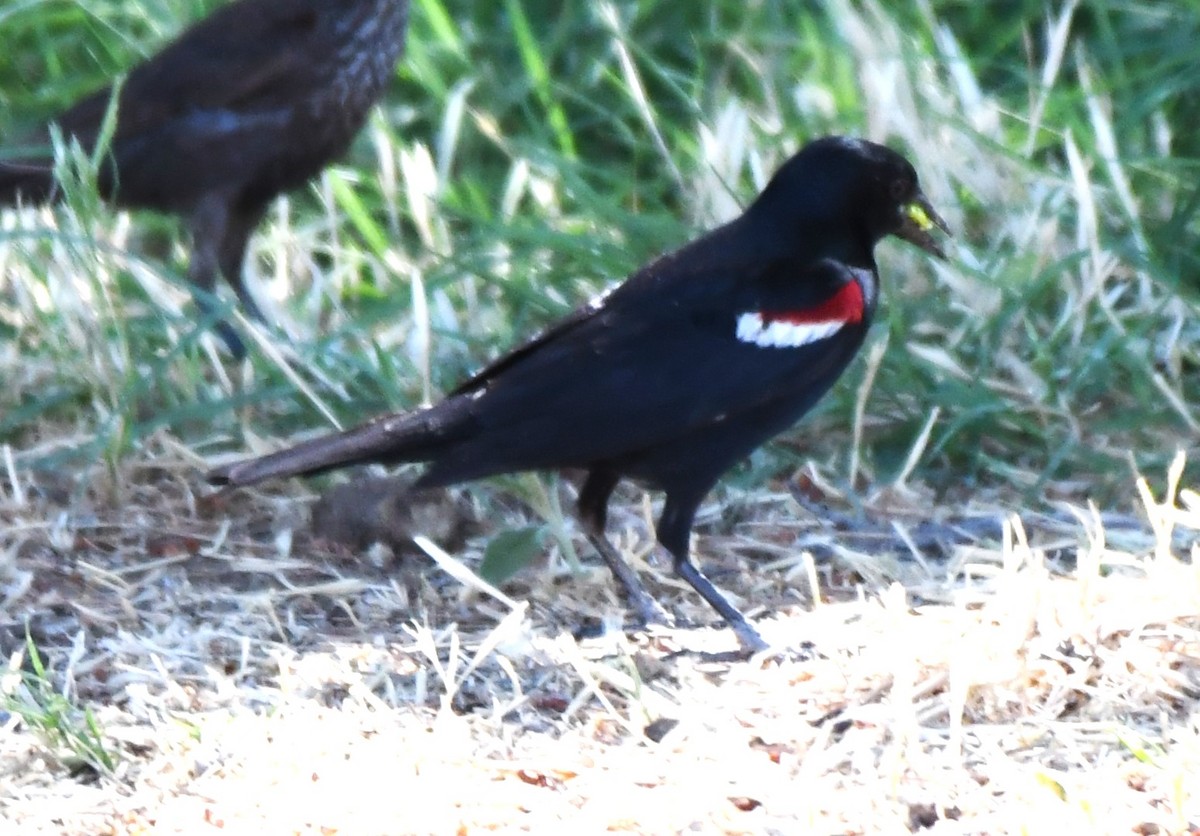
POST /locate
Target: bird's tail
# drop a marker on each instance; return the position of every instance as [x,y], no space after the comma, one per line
[409,437]
[26,182]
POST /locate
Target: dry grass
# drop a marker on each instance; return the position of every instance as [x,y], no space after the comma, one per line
[1037,677]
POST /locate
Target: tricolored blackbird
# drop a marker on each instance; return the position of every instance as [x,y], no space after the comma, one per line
[673,376]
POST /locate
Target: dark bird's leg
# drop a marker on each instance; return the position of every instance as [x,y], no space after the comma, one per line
[208,224]
[231,256]
[674,532]
[593,510]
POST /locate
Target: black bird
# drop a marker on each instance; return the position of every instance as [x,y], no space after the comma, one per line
[669,379]
[252,101]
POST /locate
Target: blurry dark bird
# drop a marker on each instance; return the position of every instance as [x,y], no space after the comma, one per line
[252,101]
[675,375]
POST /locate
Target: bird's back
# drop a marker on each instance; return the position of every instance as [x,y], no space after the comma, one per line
[251,101]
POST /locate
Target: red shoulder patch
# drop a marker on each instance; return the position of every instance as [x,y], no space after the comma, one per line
[844,307]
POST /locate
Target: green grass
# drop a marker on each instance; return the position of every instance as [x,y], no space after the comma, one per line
[524,161]
[67,729]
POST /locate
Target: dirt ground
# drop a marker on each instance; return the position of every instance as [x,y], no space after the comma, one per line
[208,664]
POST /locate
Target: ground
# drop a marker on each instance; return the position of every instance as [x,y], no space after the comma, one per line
[208,664]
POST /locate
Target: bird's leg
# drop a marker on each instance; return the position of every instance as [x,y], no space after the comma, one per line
[593,510]
[231,255]
[208,224]
[674,533]
[747,636]
[648,610]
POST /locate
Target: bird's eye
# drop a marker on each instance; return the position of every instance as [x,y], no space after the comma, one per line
[899,189]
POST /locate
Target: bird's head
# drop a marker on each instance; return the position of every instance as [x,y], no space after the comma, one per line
[861,189]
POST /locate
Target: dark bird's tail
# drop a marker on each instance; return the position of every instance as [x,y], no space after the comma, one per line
[391,439]
[25,182]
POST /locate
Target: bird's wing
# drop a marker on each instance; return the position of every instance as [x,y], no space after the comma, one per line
[547,341]
[643,368]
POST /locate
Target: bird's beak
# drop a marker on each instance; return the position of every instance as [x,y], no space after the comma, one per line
[917,218]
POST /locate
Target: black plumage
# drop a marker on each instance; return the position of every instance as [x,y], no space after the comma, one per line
[252,101]
[688,366]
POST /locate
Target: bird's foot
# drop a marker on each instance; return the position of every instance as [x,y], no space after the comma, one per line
[750,639]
